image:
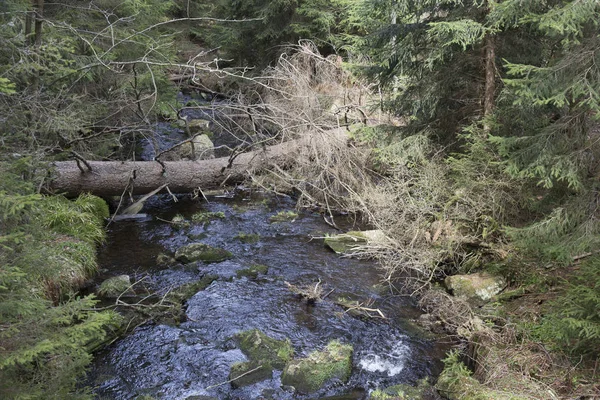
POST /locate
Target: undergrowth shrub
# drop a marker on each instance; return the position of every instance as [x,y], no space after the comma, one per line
[443,214]
[47,250]
[568,229]
[573,322]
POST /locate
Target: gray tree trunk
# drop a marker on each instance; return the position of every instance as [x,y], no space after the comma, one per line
[111,178]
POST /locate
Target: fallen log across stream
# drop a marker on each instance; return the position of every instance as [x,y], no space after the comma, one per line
[111,178]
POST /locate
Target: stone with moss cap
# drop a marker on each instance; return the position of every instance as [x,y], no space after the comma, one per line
[204,217]
[115,286]
[284,216]
[253,271]
[346,243]
[259,347]
[309,374]
[265,354]
[201,252]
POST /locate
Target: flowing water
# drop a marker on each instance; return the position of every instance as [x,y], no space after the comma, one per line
[193,357]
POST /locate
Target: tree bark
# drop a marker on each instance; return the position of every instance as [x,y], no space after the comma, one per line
[111,178]
[490,80]
[39,15]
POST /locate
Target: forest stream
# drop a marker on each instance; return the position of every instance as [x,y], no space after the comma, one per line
[177,361]
[274,250]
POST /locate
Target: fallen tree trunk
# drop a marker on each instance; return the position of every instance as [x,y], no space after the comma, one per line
[111,178]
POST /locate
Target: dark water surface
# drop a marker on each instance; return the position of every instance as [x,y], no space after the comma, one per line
[178,361]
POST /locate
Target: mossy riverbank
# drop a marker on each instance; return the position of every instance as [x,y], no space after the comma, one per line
[47,251]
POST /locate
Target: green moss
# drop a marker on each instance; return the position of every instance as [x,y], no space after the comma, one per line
[247,373]
[403,392]
[284,216]
[93,205]
[263,349]
[247,237]
[179,221]
[115,286]
[58,265]
[205,217]
[186,291]
[165,260]
[69,218]
[265,354]
[309,374]
[253,271]
[201,252]
[47,251]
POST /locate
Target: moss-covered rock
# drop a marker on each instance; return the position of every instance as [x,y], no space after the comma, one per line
[195,126]
[346,243]
[201,252]
[247,237]
[265,354]
[186,291]
[165,260]
[477,288]
[261,348]
[205,217]
[179,221]
[93,205]
[248,373]
[284,216]
[115,286]
[253,271]
[309,374]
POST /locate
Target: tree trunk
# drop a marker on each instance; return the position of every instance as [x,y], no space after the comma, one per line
[490,80]
[29,17]
[39,14]
[110,178]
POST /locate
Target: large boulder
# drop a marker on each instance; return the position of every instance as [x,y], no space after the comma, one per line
[195,126]
[200,147]
[201,252]
[198,126]
[347,243]
[477,289]
[309,374]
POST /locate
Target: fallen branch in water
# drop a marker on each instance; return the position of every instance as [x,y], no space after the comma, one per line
[360,309]
[312,293]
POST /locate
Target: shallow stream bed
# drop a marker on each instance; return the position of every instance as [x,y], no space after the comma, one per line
[194,357]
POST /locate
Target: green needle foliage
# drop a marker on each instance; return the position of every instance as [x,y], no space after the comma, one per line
[573,323]
[47,250]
